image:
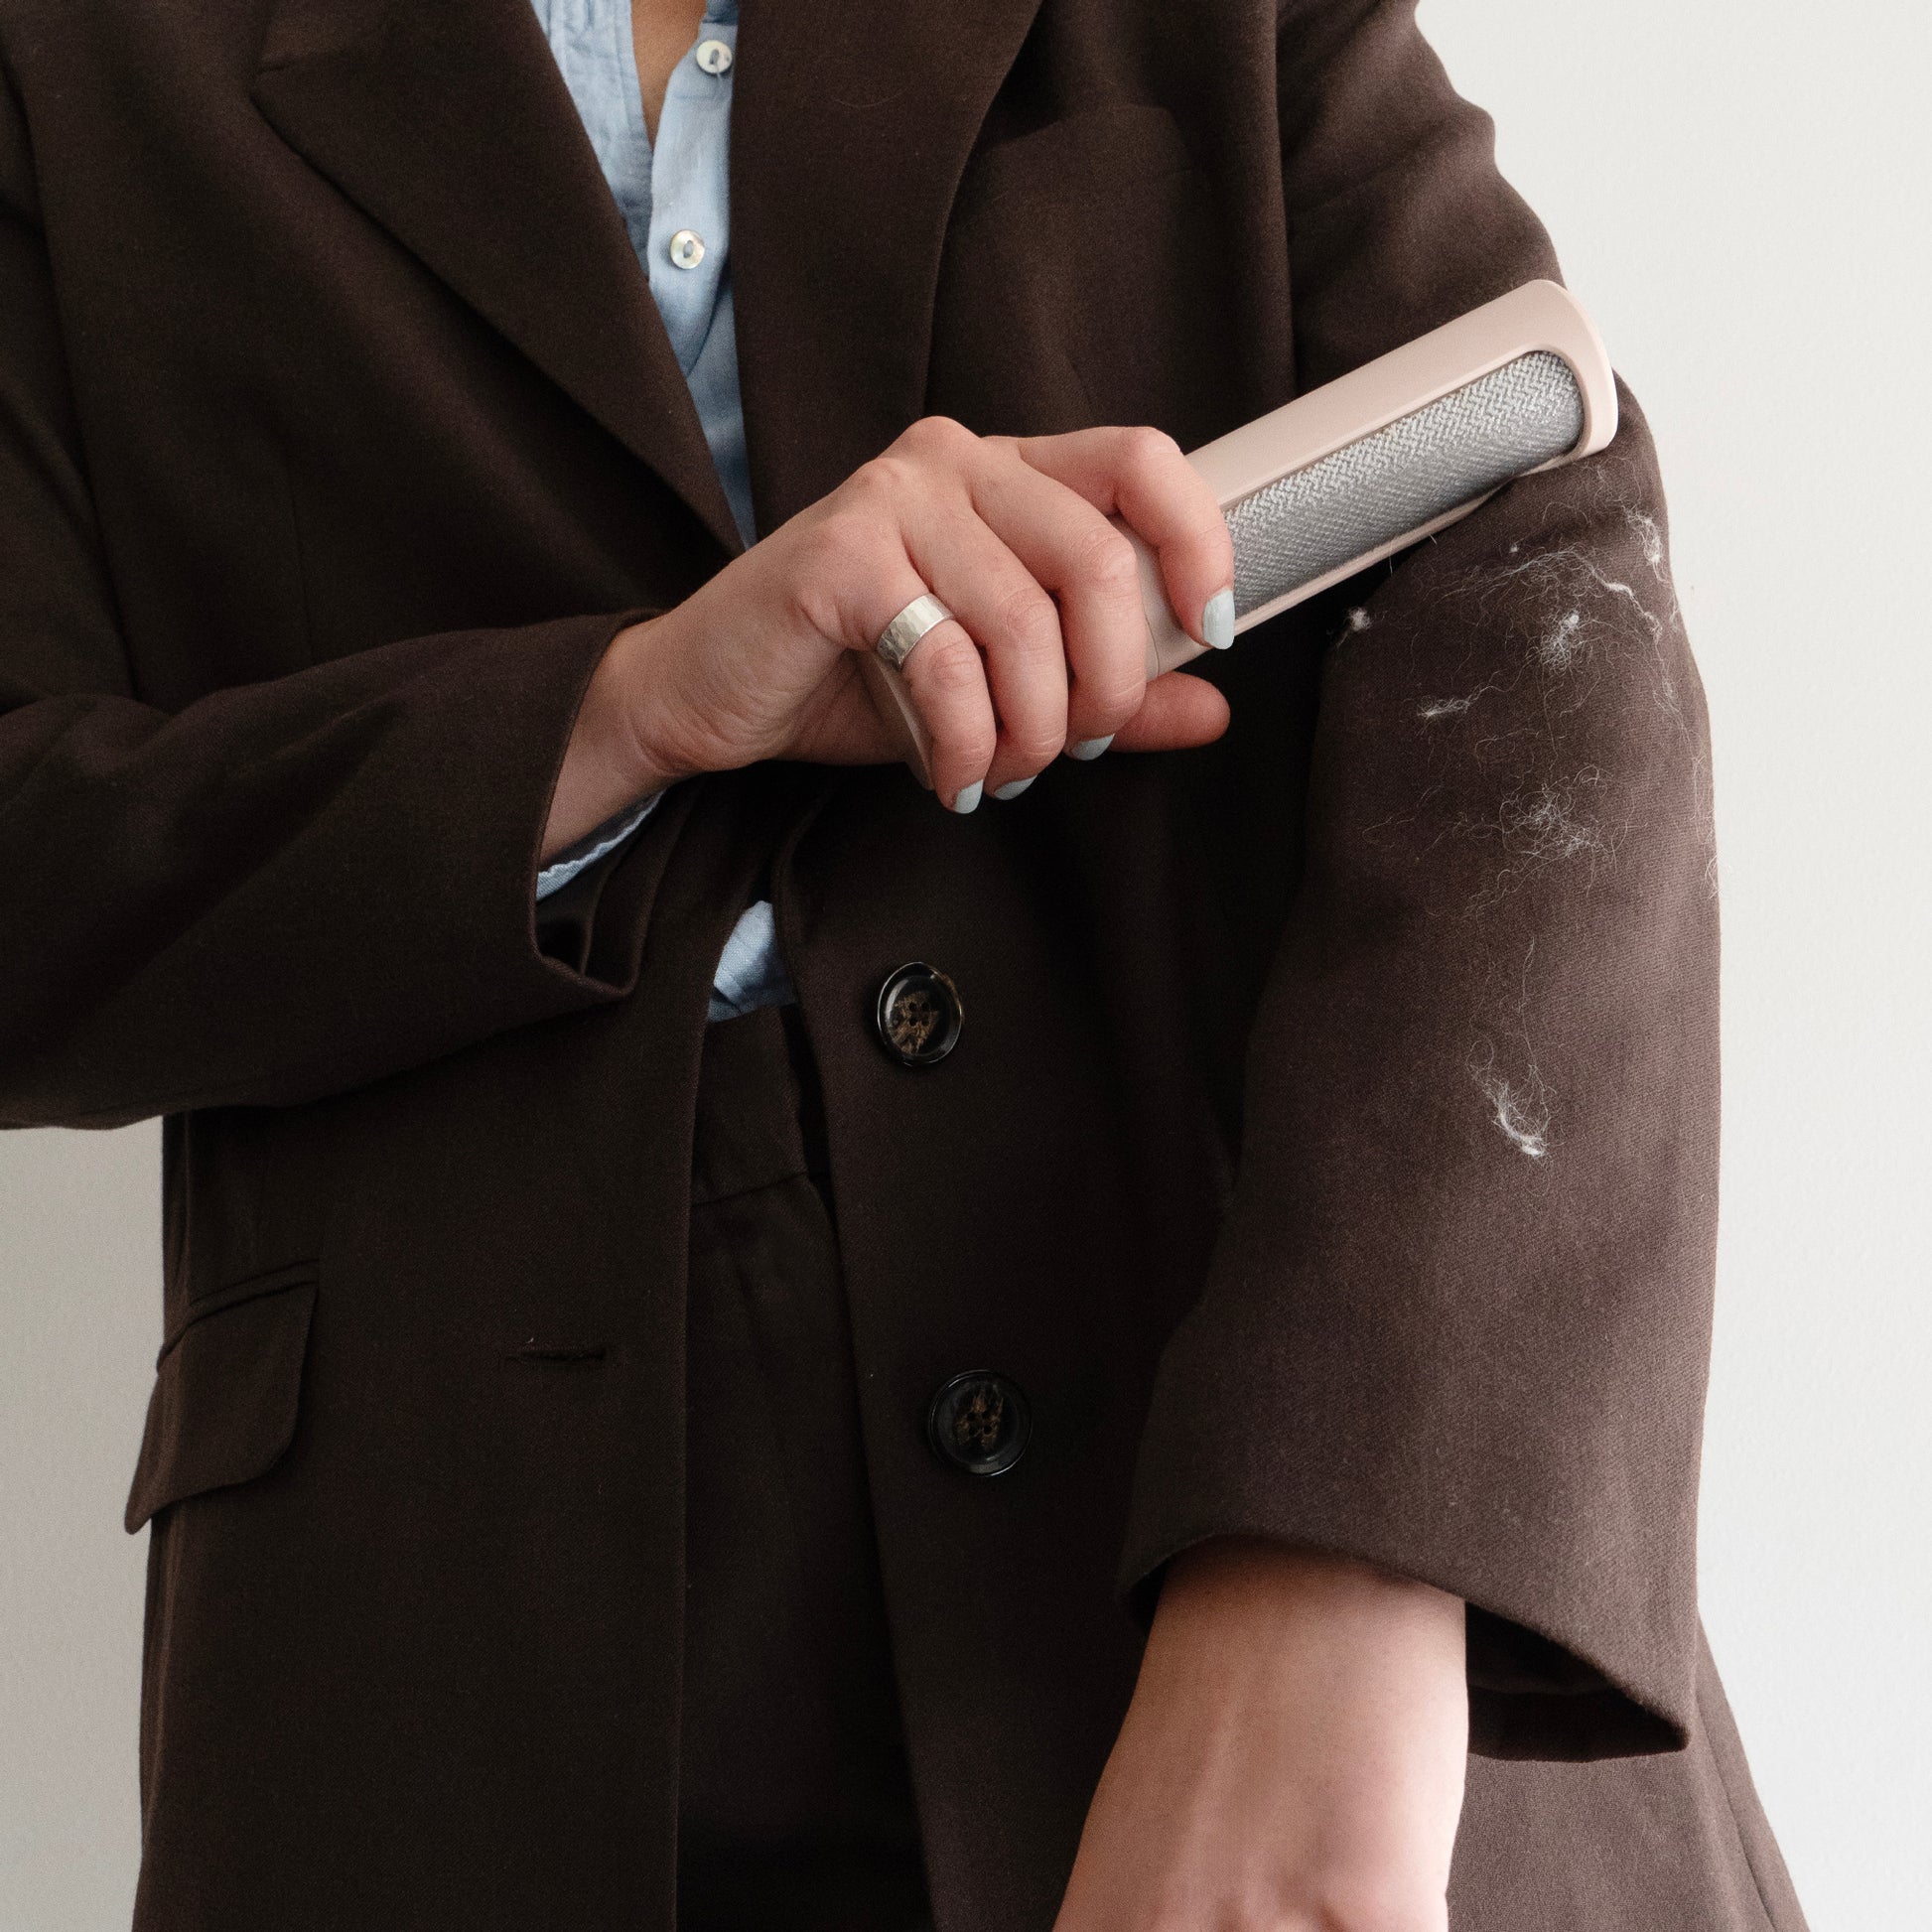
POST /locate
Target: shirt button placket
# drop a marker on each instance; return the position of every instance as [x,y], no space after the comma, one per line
[686,247]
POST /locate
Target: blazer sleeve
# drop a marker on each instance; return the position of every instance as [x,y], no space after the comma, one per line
[1457,1322]
[280,891]
[595,846]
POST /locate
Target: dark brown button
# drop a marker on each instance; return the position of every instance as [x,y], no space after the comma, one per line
[919,1015]
[978,1422]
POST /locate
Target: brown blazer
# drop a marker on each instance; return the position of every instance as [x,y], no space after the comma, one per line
[1329,1150]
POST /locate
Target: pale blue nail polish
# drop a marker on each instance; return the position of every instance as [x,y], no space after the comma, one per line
[1015,789]
[967,798]
[1218,621]
[1090,748]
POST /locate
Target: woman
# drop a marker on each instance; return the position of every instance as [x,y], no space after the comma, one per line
[714,1299]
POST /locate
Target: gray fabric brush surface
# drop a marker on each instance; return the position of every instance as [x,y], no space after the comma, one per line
[1421,467]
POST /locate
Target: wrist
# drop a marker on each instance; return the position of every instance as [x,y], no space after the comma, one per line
[607,766]
[1233,1593]
[1297,1738]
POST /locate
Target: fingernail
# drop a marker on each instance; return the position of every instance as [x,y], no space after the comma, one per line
[1015,789]
[967,798]
[1090,748]
[1218,621]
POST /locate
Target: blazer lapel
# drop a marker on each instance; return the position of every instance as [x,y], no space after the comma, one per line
[850,123]
[448,122]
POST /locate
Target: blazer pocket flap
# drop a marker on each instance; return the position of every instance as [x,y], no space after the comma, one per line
[225,1396]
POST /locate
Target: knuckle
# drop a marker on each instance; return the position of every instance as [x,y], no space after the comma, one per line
[1245,1914]
[948,667]
[1181,1915]
[880,482]
[1106,559]
[1033,727]
[1369,1904]
[967,745]
[1105,707]
[1113,683]
[842,544]
[1116,671]
[1036,745]
[1027,618]
[1146,452]
[936,439]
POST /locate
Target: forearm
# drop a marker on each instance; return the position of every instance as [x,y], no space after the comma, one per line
[1294,1752]
[604,770]
[1299,1609]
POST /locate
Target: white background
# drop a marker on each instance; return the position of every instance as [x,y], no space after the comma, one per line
[1739,194]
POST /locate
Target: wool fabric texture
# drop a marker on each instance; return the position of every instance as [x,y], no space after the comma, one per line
[1329,1149]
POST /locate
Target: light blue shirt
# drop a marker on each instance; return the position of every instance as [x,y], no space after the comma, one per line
[676,205]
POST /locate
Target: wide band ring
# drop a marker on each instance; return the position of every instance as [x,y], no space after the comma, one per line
[895,642]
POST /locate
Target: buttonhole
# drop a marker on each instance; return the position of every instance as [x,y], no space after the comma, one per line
[558,1354]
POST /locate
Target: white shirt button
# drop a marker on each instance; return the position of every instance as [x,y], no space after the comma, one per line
[687,249]
[714,55]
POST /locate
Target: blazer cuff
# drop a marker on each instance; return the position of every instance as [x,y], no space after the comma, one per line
[598,843]
[1566,1659]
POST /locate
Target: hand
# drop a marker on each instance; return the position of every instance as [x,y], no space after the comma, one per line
[1011,534]
[1292,1758]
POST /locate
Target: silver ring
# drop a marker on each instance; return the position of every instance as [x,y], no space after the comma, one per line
[896,641]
